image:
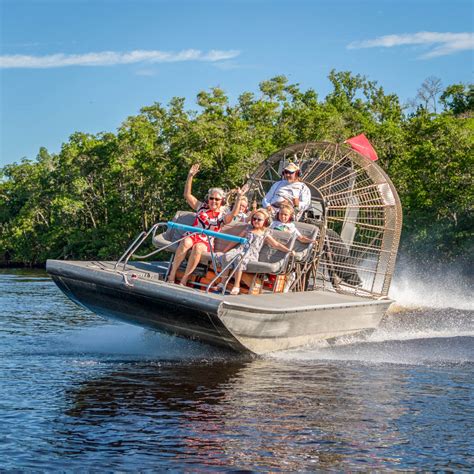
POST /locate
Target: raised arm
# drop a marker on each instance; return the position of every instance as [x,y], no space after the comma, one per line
[235,210]
[190,199]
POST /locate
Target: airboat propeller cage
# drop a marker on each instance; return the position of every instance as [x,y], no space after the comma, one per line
[356,206]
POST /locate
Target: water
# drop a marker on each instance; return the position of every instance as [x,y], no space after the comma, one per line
[80,393]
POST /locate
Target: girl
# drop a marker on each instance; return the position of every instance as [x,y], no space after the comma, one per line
[285,222]
[243,213]
[257,234]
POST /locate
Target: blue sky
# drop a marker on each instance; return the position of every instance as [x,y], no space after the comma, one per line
[85,65]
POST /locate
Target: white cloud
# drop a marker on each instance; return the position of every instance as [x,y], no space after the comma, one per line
[441,44]
[111,58]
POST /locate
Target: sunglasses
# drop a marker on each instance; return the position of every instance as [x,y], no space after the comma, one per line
[215,199]
[289,172]
[258,219]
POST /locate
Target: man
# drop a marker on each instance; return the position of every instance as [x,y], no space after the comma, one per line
[289,190]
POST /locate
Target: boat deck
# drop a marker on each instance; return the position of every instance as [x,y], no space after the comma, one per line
[267,302]
[300,301]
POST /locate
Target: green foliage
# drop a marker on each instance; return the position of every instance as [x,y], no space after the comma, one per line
[434,179]
[99,191]
[458,98]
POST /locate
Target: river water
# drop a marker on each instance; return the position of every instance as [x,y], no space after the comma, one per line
[78,392]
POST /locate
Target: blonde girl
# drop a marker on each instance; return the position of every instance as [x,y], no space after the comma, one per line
[257,235]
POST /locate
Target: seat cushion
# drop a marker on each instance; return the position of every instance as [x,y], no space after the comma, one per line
[301,249]
[239,229]
[271,260]
[159,241]
[220,245]
[265,267]
[171,235]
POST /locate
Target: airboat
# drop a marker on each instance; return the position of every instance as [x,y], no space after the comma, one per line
[335,286]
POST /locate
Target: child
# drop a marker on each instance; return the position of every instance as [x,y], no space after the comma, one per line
[285,222]
[243,214]
[257,235]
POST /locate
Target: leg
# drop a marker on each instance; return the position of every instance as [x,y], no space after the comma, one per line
[247,278]
[193,261]
[184,246]
[237,277]
[223,278]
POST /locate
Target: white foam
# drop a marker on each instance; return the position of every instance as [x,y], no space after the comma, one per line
[132,341]
[439,290]
[407,350]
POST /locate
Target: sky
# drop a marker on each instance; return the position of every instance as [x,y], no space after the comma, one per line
[86,65]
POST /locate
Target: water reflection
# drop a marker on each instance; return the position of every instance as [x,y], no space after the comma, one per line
[243,414]
[138,386]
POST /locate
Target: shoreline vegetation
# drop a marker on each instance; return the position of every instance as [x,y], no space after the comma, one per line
[93,197]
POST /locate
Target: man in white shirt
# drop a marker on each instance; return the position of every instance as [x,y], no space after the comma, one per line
[289,190]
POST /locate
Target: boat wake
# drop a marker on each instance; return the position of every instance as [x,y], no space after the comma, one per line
[126,342]
[447,290]
[424,336]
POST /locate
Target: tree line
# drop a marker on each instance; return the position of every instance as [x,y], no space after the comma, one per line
[93,197]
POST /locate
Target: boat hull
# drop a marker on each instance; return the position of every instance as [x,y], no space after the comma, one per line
[244,323]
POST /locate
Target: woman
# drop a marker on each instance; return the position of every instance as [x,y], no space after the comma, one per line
[210,216]
[289,190]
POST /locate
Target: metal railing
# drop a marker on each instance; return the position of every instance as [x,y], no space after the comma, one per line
[189,230]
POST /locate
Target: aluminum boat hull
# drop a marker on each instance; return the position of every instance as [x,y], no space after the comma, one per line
[243,323]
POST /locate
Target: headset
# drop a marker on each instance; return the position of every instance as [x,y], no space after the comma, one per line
[268,219]
[297,173]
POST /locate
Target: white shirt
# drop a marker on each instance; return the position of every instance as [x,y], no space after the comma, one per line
[285,191]
[285,227]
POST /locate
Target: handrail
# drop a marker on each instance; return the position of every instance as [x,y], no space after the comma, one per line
[132,249]
[135,245]
[210,233]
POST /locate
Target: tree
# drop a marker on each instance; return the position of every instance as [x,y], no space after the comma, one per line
[99,191]
[458,99]
[428,93]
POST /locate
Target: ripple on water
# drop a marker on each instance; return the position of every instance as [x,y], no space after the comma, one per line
[81,393]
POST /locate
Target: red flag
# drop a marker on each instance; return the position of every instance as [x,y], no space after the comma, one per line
[363,146]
